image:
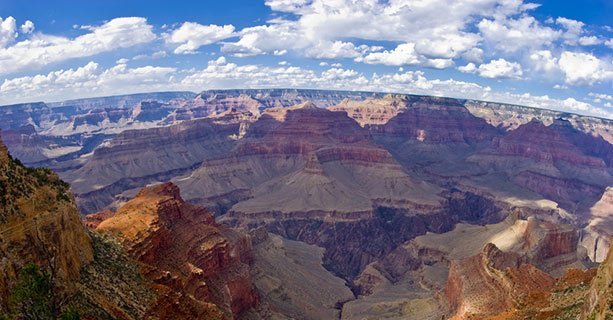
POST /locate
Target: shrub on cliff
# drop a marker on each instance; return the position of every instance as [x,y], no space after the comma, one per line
[35,298]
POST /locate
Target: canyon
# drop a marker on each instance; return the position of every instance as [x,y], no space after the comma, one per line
[311,204]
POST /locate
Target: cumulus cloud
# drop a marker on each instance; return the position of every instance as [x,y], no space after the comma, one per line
[27,27]
[584,68]
[500,68]
[41,49]
[435,36]
[333,50]
[544,60]
[574,29]
[221,73]
[88,80]
[191,36]
[404,54]
[511,35]
[8,31]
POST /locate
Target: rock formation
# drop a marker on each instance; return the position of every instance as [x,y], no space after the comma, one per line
[373,111]
[436,120]
[293,282]
[599,298]
[491,282]
[137,157]
[306,161]
[39,223]
[182,248]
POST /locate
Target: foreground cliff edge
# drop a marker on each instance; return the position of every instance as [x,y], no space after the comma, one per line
[94,276]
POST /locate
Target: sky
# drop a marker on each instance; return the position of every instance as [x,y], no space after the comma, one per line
[555,54]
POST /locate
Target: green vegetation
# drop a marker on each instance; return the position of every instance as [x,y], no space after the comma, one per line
[35,297]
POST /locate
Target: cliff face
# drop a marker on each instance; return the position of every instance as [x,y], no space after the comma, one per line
[557,142]
[306,161]
[599,299]
[491,282]
[436,120]
[183,249]
[137,157]
[39,223]
[373,111]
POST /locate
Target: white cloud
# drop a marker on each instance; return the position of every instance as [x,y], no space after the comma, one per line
[283,63]
[469,68]
[574,29]
[265,40]
[88,80]
[220,73]
[41,49]
[500,68]
[332,50]
[191,36]
[584,68]
[338,73]
[27,27]
[155,55]
[512,35]
[286,5]
[473,55]
[404,54]
[159,54]
[436,38]
[544,60]
[599,97]
[589,41]
[122,61]
[8,31]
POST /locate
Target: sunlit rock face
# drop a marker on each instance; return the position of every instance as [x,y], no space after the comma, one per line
[183,248]
[436,120]
[491,282]
[39,223]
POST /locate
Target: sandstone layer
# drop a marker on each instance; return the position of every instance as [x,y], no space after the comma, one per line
[39,223]
[181,247]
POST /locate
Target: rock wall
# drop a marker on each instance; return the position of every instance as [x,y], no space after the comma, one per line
[39,223]
[182,248]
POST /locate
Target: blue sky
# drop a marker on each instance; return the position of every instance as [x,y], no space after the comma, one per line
[550,54]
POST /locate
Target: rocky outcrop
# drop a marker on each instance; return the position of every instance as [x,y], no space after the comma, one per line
[182,248]
[306,161]
[577,294]
[571,194]
[137,157]
[491,282]
[557,142]
[39,223]
[373,111]
[509,117]
[436,120]
[293,282]
[599,298]
[596,236]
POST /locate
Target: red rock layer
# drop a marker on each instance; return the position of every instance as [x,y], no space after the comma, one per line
[437,120]
[571,194]
[39,223]
[373,111]
[490,283]
[546,144]
[183,248]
